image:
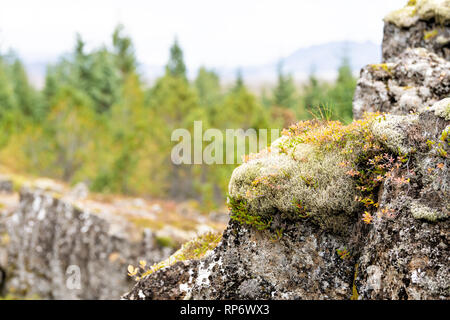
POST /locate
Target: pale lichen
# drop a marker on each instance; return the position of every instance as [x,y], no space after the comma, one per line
[390,129]
[420,211]
[404,17]
[442,40]
[442,108]
[434,9]
[439,10]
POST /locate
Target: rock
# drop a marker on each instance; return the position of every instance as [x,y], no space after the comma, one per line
[3,256]
[302,264]
[411,249]
[420,24]
[405,259]
[79,192]
[6,185]
[416,69]
[276,249]
[57,251]
[46,184]
[411,82]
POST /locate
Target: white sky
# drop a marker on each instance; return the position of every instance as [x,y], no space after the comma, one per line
[224,33]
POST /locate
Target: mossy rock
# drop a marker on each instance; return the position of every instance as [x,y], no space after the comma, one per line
[329,173]
[278,183]
[302,176]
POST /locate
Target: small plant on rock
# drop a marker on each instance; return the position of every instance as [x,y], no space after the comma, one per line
[239,212]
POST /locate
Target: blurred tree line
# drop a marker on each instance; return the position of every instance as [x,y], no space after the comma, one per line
[96,121]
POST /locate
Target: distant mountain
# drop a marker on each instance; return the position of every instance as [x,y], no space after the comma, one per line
[36,71]
[323,59]
[326,58]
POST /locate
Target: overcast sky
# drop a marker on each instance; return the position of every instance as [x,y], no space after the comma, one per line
[224,33]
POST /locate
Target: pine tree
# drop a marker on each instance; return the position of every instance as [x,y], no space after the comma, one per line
[241,109]
[176,67]
[176,103]
[25,95]
[127,123]
[239,83]
[95,73]
[124,51]
[208,88]
[284,93]
[79,45]
[7,97]
[104,83]
[69,134]
[341,94]
[313,96]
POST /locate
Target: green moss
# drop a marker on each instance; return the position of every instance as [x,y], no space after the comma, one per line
[355,294]
[420,211]
[146,223]
[199,247]
[440,146]
[4,239]
[192,250]
[445,135]
[441,151]
[277,236]
[18,182]
[382,66]
[166,242]
[11,296]
[344,254]
[430,35]
[239,213]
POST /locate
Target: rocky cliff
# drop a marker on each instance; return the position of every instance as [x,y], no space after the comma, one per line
[341,212]
[63,242]
[420,24]
[58,242]
[54,250]
[416,62]
[411,82]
